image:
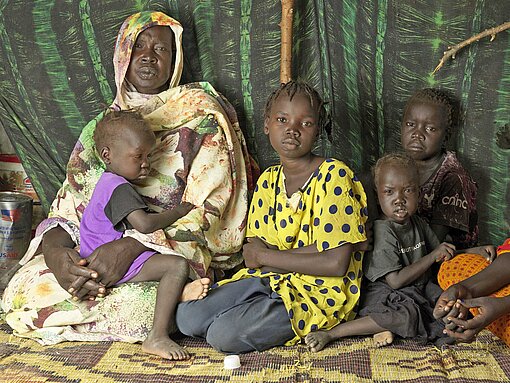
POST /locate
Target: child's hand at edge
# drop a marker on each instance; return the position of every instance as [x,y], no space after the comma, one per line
[444,252]
[486,251]
[184,208]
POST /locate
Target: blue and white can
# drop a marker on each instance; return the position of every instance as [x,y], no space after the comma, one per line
[15,224]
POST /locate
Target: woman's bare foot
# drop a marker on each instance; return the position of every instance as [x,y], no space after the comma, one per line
[317,340]
[197,289]
[164,347]
[383,338]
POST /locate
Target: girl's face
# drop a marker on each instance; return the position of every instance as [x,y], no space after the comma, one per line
[397,191]
[423,130]
[129,156]
[151,62]
[292,126]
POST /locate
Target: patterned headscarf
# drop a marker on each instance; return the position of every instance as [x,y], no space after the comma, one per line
[126,38]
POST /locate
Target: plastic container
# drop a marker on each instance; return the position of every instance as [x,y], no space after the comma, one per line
[231,362]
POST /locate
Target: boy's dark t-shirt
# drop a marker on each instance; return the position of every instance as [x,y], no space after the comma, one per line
[397,246]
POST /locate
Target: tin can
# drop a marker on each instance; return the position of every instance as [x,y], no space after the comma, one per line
[15,224]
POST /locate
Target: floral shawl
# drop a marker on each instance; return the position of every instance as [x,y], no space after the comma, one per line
[200,157]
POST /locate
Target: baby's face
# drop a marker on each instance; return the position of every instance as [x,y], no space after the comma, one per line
[130,155]
[397,191]
[423,130]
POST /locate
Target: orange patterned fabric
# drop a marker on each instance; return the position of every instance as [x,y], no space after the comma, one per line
[505,247]
[465,265]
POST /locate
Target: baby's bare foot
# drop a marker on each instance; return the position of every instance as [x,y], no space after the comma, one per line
[195,290]
[383,338]
[317,340]
[164,347]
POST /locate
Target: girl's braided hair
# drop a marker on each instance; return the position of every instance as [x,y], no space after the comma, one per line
[437,97]
[294,87]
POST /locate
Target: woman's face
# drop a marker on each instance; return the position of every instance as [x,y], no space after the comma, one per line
[151,62]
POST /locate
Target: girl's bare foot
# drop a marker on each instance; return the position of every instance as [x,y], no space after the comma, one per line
[383,338]
[195,290]
[164,347]
[317,340]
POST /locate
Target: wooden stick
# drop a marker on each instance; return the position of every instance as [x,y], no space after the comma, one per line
[286,47]
[452,51]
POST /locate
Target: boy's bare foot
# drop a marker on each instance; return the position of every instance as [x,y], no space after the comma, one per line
[197,289]
[317,340]
[164,347]
[383,338]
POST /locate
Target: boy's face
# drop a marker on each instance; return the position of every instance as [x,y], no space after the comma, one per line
[292,126]
[423,130]
[129,155]
[397,191]
[151,62]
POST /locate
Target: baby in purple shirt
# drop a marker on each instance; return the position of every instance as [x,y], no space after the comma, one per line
[124,142]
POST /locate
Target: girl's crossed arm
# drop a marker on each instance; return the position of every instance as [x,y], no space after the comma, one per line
[305,260]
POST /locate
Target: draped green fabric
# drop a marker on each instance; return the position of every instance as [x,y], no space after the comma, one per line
[365,56]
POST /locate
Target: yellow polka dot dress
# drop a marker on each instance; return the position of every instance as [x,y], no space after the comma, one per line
[329,210]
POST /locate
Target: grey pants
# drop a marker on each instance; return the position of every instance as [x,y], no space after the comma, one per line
[238,317]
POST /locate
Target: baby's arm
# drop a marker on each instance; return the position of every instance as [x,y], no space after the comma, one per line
[332,262]
[147,223]
[408,274]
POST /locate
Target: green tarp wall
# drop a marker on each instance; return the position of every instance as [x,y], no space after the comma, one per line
[366,57]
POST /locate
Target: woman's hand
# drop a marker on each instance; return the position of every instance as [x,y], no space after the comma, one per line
[448,299]
[73,274]
[111,261]
[489,309]
[487,251]
[70,270]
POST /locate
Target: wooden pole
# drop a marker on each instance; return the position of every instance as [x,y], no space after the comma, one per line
[286,35]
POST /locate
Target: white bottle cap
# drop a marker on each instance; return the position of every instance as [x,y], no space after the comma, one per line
[231,362]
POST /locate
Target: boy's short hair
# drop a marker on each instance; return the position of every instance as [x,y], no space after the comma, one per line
[438,97]
[294,87]
[394,159]
[114,123]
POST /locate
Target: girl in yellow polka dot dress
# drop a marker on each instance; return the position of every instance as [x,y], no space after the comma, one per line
[306,223]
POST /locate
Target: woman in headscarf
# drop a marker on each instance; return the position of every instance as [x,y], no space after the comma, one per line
[200,157]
